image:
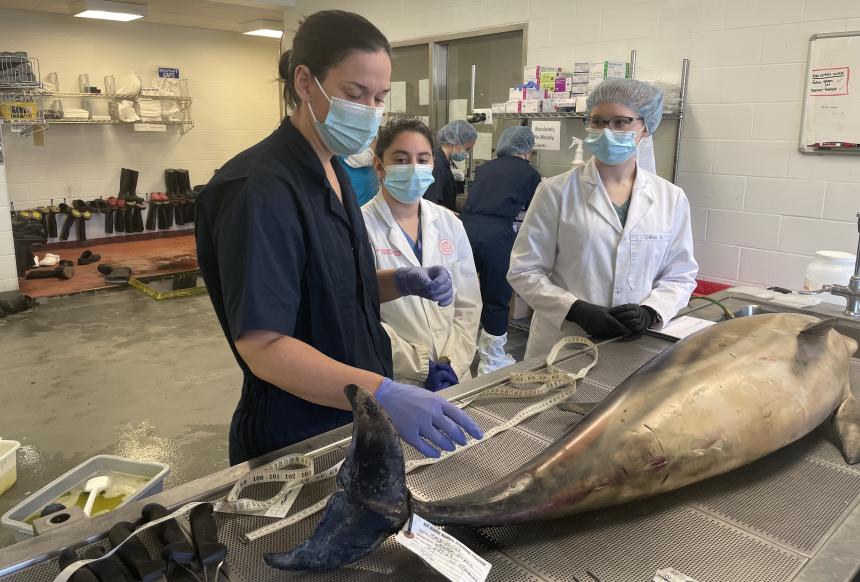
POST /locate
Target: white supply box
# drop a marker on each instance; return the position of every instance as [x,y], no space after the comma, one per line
[531,106]
[565,104]
[581,67]
[579,88]
[560,95]
[499,107]
[8,464]
[512,107]
[523,94]
[547,105]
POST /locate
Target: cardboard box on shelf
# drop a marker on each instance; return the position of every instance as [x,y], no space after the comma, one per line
[533,72]
[547,80]
[581,103]
[523,94]
[531,106]
[565,104]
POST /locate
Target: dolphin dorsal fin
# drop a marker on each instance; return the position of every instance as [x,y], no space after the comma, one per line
[820,327]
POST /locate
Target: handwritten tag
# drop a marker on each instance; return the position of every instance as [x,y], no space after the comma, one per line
[671,575]
[442,552]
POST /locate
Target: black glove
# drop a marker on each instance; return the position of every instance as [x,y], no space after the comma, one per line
[595,320]
[636,318]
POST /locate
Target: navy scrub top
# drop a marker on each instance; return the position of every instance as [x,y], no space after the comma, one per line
[279,252]
[502,188]
[443,190]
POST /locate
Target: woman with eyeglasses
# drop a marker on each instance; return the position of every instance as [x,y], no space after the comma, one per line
[606,249]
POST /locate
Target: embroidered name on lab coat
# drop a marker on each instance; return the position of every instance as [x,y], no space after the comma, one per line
[394,252]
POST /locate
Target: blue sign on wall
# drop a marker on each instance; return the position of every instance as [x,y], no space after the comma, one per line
[166,73]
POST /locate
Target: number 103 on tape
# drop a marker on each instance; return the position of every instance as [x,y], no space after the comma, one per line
[442,552]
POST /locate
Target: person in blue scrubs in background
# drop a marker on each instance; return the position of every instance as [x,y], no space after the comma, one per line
[288,265]
[454,142]
[362,174]
[503,187]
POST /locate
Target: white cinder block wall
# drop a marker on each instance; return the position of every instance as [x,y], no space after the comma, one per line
[760,209]
[232,78]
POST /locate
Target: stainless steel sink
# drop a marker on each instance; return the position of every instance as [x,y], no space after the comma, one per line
[742,307]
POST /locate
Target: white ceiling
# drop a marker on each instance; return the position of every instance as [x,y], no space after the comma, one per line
[220,15]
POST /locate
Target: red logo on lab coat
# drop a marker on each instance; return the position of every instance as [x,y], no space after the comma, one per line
[446,247]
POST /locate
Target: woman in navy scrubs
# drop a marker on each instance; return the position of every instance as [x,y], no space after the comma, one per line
[282,247]
[503,188]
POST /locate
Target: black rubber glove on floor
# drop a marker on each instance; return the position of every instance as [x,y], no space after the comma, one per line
[636,318]
[595,320]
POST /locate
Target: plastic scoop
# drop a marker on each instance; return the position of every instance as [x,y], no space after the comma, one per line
[95,486]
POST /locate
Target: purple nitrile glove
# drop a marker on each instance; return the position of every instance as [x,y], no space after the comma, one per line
[433,283]
[440,376]
[419,414]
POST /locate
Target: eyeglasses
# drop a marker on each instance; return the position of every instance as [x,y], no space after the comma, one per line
[614,124]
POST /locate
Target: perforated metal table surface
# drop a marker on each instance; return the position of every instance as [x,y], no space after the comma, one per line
[792,516]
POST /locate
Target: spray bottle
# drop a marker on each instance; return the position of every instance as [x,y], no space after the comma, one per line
[576,144]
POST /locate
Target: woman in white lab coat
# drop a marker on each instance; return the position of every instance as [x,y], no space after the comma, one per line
[432,346]
[606,249]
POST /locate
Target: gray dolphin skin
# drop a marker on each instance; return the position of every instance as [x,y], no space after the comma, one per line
[715,401]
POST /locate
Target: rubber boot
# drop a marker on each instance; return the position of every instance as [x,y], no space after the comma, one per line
[177,202]
[491,349]
[154,206]
[183,181]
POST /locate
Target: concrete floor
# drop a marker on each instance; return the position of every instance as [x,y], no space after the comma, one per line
[116,372]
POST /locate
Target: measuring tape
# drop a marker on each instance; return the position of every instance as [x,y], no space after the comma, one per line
[522,385]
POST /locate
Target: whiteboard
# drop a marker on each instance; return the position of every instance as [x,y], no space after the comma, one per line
[831,98]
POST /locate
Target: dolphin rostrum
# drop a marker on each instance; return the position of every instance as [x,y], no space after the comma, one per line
[720,399]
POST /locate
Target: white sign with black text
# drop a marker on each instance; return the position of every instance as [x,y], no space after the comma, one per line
[547,135]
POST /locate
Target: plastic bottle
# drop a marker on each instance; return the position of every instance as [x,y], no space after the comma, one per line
[576,145]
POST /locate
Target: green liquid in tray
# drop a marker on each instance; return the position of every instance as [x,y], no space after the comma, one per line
[121,488]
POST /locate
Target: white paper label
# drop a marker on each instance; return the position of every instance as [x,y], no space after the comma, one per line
[671,575]
[442,552]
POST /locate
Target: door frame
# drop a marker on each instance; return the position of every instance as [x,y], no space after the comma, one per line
[438,65]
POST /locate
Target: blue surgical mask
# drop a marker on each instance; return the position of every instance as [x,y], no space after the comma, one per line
[458,156]
[408,182]
[611,147]
[349,127]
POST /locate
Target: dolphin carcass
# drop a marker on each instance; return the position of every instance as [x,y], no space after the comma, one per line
[713,402]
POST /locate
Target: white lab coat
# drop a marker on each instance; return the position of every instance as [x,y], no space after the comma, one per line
[421,330]
[572,246]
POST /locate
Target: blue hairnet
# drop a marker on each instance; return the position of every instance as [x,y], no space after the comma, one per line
[458,132]
[643,98]
[516,140]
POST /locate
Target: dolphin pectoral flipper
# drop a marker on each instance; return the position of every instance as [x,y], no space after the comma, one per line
[371,502]
[847,425]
